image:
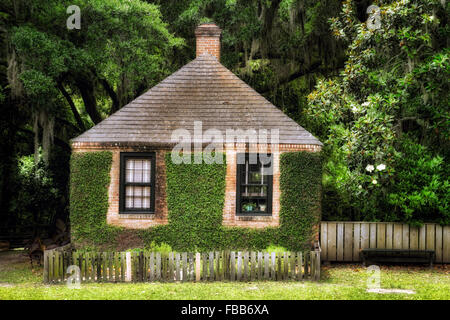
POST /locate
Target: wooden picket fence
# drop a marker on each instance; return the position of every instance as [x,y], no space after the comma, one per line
[186,266]
[342,241]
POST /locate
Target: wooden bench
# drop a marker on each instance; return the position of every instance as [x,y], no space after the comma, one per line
[397,255]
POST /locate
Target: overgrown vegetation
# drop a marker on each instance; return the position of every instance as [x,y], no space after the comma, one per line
[365,93]
[195,196]
[89,181]
[384,119]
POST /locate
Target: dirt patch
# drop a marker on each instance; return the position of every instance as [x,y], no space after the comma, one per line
[12,257]
[128,240]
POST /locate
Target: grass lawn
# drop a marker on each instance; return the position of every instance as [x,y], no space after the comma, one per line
[339,281]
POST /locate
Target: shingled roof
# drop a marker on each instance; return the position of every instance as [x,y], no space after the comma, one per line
[203,90]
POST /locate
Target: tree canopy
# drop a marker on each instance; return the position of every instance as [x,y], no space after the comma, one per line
[377,98]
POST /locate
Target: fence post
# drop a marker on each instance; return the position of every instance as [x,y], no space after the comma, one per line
[45,266]
[128,273]
[197,266]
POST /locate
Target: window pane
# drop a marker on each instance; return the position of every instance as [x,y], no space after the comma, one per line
[138,171]
[255,177]
[137,197]
[254,181]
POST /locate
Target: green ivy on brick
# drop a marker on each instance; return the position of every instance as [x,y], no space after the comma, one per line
[300,199]
[195,198]
[89,181]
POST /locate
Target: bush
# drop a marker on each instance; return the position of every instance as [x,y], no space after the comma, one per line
[420,191]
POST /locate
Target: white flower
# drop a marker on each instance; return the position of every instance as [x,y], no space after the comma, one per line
[381,167]
[374,181]
[360,187]
[365,104]
[370,168]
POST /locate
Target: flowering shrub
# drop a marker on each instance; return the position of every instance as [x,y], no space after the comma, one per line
[394,84]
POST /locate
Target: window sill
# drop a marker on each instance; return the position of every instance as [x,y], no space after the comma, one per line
[253,217]
[133,215]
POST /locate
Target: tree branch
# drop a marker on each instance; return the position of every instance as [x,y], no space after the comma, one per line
[72,107]
[115,101]
[87,94]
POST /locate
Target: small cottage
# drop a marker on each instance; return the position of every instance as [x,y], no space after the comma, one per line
[125,180]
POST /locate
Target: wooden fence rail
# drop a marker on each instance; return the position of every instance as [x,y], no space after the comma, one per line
[342,241]
[181,266]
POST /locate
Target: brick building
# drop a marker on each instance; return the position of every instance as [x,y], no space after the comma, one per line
[202,92]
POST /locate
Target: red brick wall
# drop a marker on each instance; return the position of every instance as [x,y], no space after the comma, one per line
[208,40]
[135,221]
[209,45]
[229,211]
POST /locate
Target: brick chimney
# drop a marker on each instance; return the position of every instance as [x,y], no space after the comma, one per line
[208,39]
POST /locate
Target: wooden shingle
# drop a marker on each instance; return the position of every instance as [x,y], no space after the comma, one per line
[203,90]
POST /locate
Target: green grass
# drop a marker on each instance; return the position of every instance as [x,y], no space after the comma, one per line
[19,281]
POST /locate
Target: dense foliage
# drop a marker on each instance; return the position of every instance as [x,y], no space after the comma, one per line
[384,119]
[89,181]
[376,98]
[195,196]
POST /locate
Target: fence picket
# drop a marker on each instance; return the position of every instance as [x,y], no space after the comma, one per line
[332,233]
[324,240]
[158,267]
[177,267]
[348,241]
[266,265]
[286,266]
[446,244]
[184,266]
[191,267]
[380,235]
[151,266]
[340,241]
[205,267]
[356,241]
[389,235]
[422,238]
[431,234]
[414,238]
[246,257]
[292,265]
[273,266]
[278,270]
[260,265]
[252,266]
[211,266]
[218,271]
[300,266]
[232,266]
[438,243]
[405,237]
[239,266]
[171,275]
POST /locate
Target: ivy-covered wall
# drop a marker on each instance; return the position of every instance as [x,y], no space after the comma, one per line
[195,197]
[89,181]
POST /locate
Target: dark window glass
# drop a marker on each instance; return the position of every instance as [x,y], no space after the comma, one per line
[137,177]
[254,186]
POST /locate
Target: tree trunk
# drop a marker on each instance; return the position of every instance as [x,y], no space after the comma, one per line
[87,94]
[72,107]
